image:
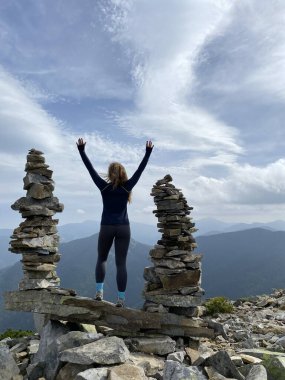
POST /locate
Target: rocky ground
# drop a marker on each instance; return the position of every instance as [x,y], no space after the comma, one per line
[249,344]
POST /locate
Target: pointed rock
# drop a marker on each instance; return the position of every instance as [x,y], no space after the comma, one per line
[258,372]
[223,364]
[8,366]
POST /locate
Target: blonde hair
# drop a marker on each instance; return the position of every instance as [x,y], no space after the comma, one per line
[117,175]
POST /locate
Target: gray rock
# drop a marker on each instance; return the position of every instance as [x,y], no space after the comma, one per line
[51,331]
[4,342]
[180,280]
[40,320]
[204,353]
[30,204]
[23,365]
[150,275]
[218,327]
[109,350]
[275,367]
[19,347]
[214,375]
[174,299]
[126,372]
[36,370]
[223,364]
[157,346]
[48,350]
[70,370]
[149,363]
[177,356]
[93,374]
[40,191]
[177,371]
[257,372]
[281,341]
[8,366]
[262,353]
[32,178]
[76,339]
[172,264]
[240,335]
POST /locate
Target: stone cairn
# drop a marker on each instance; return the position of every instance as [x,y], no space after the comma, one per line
[36,238]
[173,283]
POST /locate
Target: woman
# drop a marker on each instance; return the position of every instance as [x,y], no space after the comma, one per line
[116,193]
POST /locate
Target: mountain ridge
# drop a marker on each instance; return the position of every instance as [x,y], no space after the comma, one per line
[234,264]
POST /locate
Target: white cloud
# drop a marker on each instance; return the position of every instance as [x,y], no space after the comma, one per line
[25,124]
[248,55]
[246,185]
[63,49]
[205,154]
[163,52]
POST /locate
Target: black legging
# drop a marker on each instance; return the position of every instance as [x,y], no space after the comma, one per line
[121,234]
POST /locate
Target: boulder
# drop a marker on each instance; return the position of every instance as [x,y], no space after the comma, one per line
[93,374]
[149,363]
[192,354]
[36,371]
[126,372]
[157,346]
[204,353]
[76,339]
[40,320]
[8,365]
[48,349]
[223,364]
[70,370]
[248,359]
[275,366]
[257,372]
[110,350]
[177,371]
[262,353]
[281,341]
[214,375]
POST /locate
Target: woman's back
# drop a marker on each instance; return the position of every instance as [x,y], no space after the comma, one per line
[115,205]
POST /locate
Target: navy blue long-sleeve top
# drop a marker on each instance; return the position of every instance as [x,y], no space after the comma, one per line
[115,200]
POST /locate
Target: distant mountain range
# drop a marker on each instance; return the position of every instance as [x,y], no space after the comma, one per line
[212,226]
[235,264]
[143,233]
[76,271]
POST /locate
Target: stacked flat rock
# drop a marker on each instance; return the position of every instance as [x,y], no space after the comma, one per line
[36,238]
[173,283]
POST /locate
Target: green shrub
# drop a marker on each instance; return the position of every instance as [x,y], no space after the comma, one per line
[218,305]
[15,333]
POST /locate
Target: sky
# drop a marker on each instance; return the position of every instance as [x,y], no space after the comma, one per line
[203,79]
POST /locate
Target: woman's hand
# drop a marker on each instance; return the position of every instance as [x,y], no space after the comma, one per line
[149,145]
[81,144]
